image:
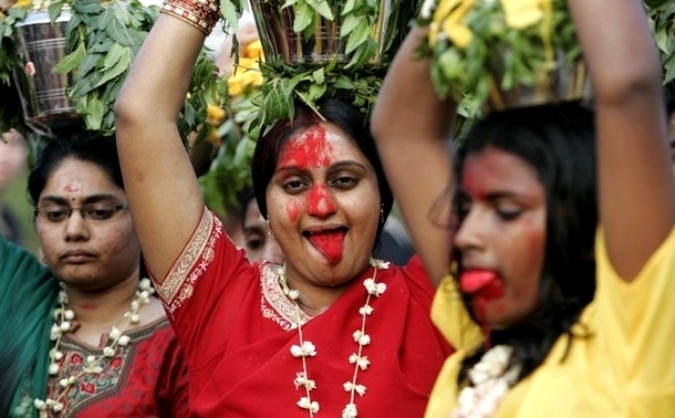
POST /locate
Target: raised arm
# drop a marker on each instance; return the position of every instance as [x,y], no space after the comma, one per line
[411,128]
[637,194]
[164,197]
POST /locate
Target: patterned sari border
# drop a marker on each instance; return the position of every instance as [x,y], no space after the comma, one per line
[198,253]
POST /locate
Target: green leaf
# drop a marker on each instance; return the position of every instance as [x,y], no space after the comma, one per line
[322,7]
[119,33]
[316,91]
[363,54]
[93,113]
[318,76]
[54,9]
[358,36]
[348,7]
[304,17]
[71,61]
[229,14]
[115,64]
[349,24]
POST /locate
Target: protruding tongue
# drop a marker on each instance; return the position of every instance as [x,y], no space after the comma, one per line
[483,286]
[329,243]
[474,281]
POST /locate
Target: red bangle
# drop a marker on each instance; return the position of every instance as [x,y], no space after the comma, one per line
[202,14]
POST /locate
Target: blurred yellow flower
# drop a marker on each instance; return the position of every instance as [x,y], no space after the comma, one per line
[520,14]
[449,16]
[24,3]
[246,76]
[254,50]
[215,115]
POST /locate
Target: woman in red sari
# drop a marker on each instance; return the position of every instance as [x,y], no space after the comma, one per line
[331,331]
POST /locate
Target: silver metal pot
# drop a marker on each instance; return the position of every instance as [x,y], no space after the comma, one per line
[43,93]
[275,27]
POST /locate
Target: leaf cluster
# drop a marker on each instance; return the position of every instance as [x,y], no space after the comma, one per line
[101,41]
[284,88]
[498,53]
[356,79]
[662,19]
[11,115]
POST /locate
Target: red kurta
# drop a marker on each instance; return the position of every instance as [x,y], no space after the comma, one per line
[235,326]
[148,378]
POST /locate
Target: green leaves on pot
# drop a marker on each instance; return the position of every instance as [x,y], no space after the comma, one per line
[101,40]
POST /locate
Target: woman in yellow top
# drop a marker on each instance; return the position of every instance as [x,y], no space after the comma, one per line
[552,315]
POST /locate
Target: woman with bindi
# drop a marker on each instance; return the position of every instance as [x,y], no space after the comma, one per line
[87,335]
[553,309]
[331,331]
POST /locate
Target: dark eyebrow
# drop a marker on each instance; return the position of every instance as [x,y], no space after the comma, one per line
[335,167]
[87,200]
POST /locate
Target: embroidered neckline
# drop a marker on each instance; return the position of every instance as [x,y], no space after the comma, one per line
[491,378]
[64,323]
[306,348]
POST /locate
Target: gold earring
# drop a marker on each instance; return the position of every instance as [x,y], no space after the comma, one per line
[382,213]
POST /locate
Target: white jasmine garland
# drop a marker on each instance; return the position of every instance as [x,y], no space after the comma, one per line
[306,349]
[64,323]
[491,378]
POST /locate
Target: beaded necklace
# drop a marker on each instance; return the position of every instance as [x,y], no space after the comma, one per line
[307,349]
[64,323]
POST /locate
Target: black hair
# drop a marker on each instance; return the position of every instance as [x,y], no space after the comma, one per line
[558,141]
[670,98]
[336,112]
[100,150]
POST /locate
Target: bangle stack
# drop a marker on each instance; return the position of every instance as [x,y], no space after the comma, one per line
[202,14]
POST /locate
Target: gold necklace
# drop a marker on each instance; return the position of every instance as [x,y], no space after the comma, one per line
[307,349]
[64,323]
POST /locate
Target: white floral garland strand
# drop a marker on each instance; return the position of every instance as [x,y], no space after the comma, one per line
[491,378]
[307,349]
[63,323]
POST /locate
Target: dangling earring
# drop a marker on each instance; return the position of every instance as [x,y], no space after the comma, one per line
[382,213]
[269,227]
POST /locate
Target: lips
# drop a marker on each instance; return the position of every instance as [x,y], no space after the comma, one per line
[76,257]
[329,242]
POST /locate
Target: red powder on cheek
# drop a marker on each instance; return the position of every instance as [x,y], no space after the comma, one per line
[293,209]
[309,150]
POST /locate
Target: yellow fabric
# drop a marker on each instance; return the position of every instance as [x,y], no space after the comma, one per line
[621,362]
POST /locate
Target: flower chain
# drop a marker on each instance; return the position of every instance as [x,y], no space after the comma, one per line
[64,323]
[307,349]
[491,378]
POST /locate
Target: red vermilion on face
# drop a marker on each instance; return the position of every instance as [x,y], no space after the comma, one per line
[312,150]
[502,236]
[308,150]
[319,201]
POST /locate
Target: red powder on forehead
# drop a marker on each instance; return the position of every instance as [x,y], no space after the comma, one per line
[71,188]
[308,150]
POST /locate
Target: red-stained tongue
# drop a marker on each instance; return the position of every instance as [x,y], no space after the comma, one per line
[330,244]
[475,280]
[483,286]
